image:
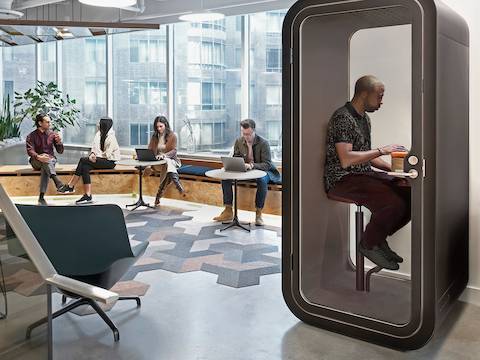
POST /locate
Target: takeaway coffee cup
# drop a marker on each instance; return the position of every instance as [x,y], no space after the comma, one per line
[397,160]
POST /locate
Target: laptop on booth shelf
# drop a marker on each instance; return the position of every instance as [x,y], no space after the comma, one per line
[145,155]
[235,164]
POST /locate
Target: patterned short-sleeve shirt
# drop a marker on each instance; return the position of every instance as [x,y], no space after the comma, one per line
[347,126]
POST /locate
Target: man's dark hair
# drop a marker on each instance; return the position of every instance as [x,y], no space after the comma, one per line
[247,124]
[39,118]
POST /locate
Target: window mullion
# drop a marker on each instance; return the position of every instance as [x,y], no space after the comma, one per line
[109,70]
[245,87]
[170,77]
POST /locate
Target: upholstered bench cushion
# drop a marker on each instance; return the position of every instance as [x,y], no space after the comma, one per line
[194,170]
[201,170]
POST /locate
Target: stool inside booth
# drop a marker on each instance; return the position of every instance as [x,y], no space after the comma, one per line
[339,48]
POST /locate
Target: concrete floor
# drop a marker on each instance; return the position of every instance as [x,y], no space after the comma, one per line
[190,317]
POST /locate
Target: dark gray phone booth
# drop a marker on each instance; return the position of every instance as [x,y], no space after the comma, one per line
[420,50]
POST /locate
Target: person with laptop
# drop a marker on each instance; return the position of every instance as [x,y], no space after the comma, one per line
[255,152]
[103,154]
[164,145]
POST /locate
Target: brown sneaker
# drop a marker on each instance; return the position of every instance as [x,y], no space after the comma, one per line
[226,215]
[258,218]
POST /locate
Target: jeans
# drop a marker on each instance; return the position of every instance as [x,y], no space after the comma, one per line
[47,170]
[262,188]
[85,165]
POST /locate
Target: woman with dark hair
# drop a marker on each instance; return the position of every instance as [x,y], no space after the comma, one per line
[105,151]
[164,144]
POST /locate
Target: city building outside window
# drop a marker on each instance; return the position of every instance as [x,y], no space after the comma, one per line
[207,75]
[140,87]
[84,78]
[47,53]
[140,133]
[18,74]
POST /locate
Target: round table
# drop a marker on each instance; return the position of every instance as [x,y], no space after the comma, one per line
[236,176]
[141,166]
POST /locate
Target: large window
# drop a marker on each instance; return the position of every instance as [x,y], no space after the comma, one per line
[18,74]
[47,55]
[266,76]
[140,87]
[207,75]
[190,72]
[84,79]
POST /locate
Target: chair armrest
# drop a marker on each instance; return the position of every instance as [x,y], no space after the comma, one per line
[83,289]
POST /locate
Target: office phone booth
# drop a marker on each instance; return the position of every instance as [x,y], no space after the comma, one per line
[419,49]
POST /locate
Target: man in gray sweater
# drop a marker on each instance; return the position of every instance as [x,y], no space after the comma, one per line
[255,150]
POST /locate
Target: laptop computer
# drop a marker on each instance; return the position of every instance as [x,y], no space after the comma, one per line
[236,164]
[145,155]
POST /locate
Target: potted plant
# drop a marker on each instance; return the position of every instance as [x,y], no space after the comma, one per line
[9,125]
[47,99]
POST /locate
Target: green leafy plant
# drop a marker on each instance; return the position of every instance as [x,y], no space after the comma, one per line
[47,99]
[9,126]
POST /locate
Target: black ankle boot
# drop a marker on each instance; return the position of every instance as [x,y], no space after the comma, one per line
[178,184]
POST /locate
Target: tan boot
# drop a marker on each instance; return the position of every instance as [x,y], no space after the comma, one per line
[258,218]
[148,171]
[226,215]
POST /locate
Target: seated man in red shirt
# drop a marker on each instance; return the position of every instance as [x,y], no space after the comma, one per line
[349,174]
[40,144]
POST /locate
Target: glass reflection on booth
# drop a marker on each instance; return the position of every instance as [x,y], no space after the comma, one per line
[362,262]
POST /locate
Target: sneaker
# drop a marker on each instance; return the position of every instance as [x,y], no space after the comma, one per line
[42,202]
[85,199]
[391,255]
[65,189]
[378,257]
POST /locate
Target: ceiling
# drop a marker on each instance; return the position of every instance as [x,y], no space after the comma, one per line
[156,11]
[13,35]
[52,20]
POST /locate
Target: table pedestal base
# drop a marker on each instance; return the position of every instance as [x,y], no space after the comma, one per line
[235,222]
[139,203]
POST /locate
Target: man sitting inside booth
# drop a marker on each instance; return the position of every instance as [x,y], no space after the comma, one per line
[255,150]
[349,174]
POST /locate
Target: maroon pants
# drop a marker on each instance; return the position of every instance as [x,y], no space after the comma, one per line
[387,198]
